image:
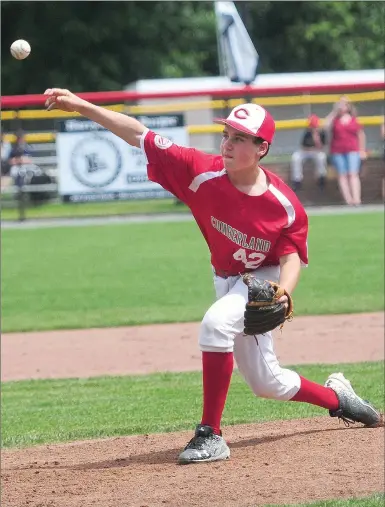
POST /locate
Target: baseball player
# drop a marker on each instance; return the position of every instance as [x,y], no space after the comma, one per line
[252,223]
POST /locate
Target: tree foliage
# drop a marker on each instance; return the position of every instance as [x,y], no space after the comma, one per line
[311,36]
[90,46]
[105,45]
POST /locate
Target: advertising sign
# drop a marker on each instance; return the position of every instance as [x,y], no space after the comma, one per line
[96,165]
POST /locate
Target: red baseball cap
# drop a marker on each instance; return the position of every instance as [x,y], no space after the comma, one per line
[313,121]
[251,119]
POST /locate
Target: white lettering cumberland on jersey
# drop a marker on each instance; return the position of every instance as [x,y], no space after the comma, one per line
[201,178]
[239,238]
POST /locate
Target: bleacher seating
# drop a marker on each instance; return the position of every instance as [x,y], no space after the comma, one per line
[372,181]
[44,155]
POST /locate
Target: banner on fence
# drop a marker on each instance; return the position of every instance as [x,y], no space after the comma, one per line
[96,165]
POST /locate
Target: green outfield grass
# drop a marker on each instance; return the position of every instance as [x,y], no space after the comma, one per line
[372,501]
[43,411]
[125,274]
[95,209]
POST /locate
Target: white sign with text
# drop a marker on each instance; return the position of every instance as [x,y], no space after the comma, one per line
[95,165]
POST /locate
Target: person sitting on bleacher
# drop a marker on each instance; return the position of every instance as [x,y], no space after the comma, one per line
[312,147]
[21,151]
[6,149]
[20,159]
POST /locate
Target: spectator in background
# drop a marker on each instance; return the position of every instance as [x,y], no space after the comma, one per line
[347,148]
[313,148]
[383,148]
[20,159]
[5,155]
[21,151]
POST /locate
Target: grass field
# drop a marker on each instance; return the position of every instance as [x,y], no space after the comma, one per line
[79,277]
[95,209]
[111,275]
[42,411]
[373,501]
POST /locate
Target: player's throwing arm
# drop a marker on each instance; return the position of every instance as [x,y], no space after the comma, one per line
[127,128]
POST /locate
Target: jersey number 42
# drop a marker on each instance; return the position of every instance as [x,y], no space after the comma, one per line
[251,261]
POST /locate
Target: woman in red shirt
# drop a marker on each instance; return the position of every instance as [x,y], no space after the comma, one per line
[347,147]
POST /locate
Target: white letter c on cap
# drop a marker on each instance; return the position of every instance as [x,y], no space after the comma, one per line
[238,113]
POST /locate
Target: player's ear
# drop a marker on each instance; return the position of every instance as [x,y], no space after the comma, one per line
[262,148]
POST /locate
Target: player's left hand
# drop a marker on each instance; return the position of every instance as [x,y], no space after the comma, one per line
[285,300]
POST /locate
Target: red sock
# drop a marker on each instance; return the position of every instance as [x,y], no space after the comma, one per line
[313,393]
[217,371]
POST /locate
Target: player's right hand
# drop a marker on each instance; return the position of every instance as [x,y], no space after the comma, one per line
[58,98]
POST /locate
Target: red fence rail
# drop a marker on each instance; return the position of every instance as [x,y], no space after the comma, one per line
[18,101]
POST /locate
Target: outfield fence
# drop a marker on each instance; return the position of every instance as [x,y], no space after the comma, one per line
[290,106]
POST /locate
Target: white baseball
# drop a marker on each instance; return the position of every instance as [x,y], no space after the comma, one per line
[20,49]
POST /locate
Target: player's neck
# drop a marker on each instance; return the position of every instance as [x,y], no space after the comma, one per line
[251,181]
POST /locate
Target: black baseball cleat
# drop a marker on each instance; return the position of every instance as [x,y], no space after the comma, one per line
[321,182]
[296,185]
[352,408]
[204,446]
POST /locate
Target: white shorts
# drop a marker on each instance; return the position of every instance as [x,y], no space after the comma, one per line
[222,331]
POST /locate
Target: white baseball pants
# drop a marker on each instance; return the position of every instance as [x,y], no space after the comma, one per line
[222,331]
[299,157]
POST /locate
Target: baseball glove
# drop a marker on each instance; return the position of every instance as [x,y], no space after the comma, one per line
[263,312]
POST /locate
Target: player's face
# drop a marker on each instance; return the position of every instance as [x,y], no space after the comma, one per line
[239,150]
[343,105]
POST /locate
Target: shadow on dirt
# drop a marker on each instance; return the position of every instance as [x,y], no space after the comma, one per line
[170,455]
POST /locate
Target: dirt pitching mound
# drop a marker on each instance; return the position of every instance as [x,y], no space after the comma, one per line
[279,462]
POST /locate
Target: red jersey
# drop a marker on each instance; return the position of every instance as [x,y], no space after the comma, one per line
[243,232]
[345,136]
